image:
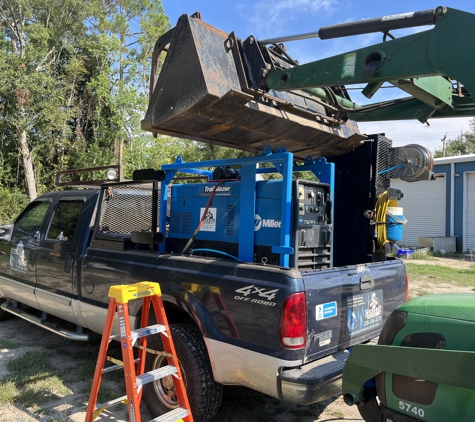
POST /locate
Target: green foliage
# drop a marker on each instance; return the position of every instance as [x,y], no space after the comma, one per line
[462,145]
[39,61]
[74,86]
[12,202]
[74,83]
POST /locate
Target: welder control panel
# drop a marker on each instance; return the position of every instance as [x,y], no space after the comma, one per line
[313,204]
[312,214]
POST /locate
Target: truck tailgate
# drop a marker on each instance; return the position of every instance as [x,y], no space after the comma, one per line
[348,305]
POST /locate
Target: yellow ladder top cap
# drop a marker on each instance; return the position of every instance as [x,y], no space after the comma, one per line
[122,293]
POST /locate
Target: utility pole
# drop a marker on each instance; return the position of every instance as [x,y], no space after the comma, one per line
[443,145]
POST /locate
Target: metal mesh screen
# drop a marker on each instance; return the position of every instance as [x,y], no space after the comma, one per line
[382,180]
[126,208]
[383,162]
[378,256]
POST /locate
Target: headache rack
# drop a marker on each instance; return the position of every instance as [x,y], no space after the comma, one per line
[131,217]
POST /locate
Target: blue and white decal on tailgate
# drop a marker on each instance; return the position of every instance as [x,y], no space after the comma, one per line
[365,312]
[326,310]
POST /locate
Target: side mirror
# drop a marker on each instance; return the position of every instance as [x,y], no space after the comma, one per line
[6,231]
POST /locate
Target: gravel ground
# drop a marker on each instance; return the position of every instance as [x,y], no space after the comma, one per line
[239,404]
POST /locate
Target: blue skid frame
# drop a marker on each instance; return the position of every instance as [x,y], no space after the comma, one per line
[282,161]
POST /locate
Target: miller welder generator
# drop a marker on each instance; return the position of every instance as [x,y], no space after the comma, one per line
[311,224]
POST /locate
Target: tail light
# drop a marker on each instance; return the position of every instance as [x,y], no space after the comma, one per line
[293,322]
[407,287]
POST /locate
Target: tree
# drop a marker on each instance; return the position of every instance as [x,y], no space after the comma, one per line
[464,144]
[74,80]
[129,30]
[38,40]
[73,84]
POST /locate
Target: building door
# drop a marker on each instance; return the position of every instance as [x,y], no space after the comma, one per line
[424,207]
[469,214]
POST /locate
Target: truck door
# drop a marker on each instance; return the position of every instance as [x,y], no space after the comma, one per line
[55,261]
[18,253]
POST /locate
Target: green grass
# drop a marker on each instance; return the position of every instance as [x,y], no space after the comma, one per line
[30,365]
[32,380]
[87,354]
[424,255]
[85,371]
[35,384]
[8,344]
[8,391]
[442,274]
[107,393]
[60,351]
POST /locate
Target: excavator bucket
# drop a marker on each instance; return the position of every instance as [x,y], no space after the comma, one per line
[209,89]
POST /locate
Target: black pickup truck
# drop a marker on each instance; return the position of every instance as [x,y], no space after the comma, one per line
[283,330]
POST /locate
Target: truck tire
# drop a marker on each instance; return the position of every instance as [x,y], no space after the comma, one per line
[4,314]
[368,407]
[204,393]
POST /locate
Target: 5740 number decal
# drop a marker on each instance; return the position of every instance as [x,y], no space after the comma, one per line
[248,292]
[409,408]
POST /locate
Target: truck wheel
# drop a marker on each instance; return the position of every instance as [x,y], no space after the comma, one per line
[4,314]
[369,408]
[204,393]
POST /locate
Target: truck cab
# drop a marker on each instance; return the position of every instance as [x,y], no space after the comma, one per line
[39,251]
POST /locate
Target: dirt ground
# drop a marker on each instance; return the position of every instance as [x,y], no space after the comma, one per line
[239,404]
[447,262]
[419,285]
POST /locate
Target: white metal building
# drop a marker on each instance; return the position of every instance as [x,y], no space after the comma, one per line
[444,207]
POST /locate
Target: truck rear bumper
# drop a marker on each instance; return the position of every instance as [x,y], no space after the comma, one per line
[315,381]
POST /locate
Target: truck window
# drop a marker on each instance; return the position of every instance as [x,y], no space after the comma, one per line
[65,219]
[29,223]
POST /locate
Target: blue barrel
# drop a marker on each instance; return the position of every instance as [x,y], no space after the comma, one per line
[394,222]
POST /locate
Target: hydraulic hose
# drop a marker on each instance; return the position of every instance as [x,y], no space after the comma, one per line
[381,210]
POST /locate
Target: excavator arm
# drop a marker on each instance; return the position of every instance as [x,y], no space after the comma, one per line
[435,67]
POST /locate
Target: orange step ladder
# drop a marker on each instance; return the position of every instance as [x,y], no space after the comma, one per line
[135,378]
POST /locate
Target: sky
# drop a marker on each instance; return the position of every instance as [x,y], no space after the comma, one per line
[275,18]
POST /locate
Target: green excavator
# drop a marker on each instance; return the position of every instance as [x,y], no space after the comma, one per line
[250,94]
[247,94]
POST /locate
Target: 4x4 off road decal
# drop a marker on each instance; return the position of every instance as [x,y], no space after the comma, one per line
[252,294]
